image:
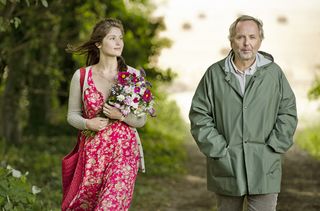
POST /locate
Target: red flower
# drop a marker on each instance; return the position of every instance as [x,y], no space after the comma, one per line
[122,77]
[135,100]
[135,79]
[136,89]
[147,96]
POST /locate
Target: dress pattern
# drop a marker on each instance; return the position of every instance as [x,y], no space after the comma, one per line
[111,161]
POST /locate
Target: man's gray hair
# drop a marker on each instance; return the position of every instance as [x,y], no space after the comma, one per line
[232,29]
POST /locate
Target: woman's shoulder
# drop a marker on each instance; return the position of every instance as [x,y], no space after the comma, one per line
[77,72]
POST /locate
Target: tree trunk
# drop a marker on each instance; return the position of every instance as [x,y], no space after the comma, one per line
[41,93]
[2,68]
[14,84]
[40,104]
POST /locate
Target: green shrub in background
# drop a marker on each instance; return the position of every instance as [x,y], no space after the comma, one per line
[309,139]
[16,193]
[163,139]
[41,156]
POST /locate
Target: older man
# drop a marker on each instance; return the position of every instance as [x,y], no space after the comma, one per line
[243,117]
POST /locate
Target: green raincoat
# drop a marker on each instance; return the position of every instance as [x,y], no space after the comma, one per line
[244,135]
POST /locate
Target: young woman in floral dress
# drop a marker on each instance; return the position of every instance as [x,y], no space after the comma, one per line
[108,159]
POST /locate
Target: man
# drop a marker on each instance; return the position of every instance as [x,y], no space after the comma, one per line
[243,117]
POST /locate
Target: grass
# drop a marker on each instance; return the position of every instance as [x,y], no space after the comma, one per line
[309,140]
[42,159]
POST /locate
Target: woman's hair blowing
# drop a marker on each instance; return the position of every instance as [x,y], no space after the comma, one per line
[100,30]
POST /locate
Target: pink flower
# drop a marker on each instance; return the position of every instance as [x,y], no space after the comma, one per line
[135,79]
[147,97]
[152,112]
[136,100]
[131,94]
[122,77]
[136,89]
[128,100]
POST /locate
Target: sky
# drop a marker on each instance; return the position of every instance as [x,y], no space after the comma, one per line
[292,36]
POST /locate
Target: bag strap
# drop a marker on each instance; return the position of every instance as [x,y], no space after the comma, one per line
[82,75]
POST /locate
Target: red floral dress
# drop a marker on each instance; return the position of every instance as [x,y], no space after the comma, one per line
[111,160]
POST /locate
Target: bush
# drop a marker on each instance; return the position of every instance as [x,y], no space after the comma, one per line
[163,139]
[16,193]
[309,139]
[42,157]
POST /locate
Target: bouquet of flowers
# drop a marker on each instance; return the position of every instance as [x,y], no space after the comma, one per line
[131,93]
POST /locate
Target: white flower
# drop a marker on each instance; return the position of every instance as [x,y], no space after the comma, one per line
[135,105]
[128,89]
[134,95]
[126,111]
[16,173]
[134,71]
[128,100]
[35,190]
[121,97]
[142,90]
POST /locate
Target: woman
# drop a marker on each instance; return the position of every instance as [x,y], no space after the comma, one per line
[108,160]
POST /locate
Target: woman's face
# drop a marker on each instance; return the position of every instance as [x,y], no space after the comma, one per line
[112,44]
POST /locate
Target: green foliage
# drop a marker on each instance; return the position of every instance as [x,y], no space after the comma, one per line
[163,138]
[309,139]
[37,34]
[16,193]
[42,158]
[6,20]
[150,193]
[314,92]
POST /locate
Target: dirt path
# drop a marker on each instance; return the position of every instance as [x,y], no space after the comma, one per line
[300,186]
[301,182]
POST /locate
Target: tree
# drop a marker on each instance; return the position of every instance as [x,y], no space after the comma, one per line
[36,70]
[13,63]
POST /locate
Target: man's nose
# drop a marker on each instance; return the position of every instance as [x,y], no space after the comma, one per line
[246,41]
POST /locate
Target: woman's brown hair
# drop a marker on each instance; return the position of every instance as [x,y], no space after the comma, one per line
[100,30]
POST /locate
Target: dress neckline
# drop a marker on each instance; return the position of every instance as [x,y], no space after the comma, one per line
[94,85]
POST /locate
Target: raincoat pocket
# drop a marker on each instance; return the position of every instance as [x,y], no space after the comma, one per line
[272,161]
[221,167]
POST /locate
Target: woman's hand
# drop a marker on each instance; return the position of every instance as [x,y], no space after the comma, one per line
[97,123]
[112,112]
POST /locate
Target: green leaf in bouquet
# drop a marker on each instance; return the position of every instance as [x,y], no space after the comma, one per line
[88,133]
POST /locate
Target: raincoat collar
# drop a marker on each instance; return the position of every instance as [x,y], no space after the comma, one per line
[262,59]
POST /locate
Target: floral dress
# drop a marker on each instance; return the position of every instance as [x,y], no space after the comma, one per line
[111,161]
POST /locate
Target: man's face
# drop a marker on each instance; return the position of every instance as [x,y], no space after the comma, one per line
[246,41]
